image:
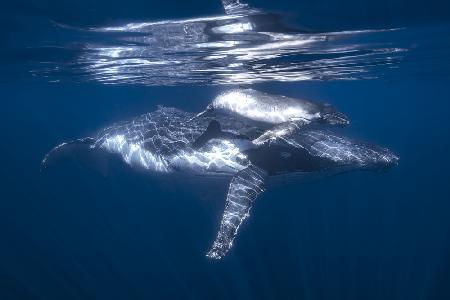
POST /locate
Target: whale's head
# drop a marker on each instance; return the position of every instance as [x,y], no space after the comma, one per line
[329,115]
[387,160]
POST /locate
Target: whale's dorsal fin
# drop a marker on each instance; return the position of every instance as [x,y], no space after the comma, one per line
[214,131]
[244,188]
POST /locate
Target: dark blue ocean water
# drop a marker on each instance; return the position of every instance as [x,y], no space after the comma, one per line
[72,233]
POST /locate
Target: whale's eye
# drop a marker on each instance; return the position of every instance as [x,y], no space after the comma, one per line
[285,154]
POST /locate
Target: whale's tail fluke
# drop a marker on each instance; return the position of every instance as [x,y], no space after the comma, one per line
[81,150]
[64,150]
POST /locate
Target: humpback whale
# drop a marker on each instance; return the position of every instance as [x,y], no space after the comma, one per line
[169,140]
[272,109]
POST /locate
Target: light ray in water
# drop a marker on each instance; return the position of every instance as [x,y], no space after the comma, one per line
[230,49]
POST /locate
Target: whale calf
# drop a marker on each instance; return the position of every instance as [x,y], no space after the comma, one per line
[270,109]
[167,141]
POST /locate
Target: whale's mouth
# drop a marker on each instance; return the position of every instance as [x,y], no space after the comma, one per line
[392,160]
[341,119]
[336,118]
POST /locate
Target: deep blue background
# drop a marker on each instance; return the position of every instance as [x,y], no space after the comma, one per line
[71,233]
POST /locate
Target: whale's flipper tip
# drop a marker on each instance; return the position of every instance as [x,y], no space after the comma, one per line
[215,253]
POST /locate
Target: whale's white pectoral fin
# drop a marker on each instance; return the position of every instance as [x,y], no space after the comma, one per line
[244,188]
[281,131]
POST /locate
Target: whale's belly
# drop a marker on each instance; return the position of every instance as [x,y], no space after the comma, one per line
[217,157]
[135,154]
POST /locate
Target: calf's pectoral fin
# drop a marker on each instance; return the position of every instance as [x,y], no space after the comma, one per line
[244,188]
[281,131]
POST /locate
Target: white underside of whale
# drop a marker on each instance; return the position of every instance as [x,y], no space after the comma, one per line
[219,156]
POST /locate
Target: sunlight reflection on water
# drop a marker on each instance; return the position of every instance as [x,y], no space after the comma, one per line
[230,49]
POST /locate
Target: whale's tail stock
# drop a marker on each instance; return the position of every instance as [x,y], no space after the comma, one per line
[80,150]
